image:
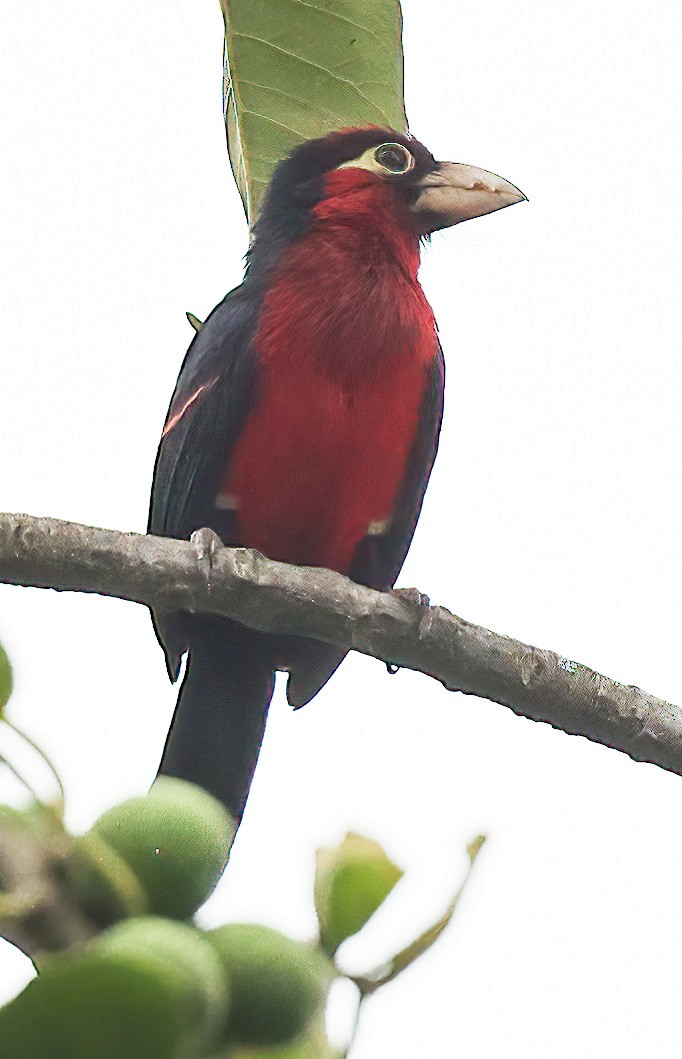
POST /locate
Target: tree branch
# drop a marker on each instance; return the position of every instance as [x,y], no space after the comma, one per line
[398,628]
[51,896]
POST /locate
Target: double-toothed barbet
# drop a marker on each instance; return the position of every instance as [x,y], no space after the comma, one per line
[305,419]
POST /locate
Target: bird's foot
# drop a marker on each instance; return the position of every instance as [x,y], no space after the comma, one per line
[416,599]
[207,544]
[412,596]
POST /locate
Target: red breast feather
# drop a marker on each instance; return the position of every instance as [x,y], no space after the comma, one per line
[345,342]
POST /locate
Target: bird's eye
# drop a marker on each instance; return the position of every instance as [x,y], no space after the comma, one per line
[394,158]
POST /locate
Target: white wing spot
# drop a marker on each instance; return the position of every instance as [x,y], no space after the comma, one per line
[227,503]
[376,529]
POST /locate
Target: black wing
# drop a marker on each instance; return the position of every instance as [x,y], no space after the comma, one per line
[379,559]
[213,395]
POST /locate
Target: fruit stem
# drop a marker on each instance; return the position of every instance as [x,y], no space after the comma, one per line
[58,805]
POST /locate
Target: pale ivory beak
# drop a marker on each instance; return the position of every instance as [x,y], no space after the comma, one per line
[456,192]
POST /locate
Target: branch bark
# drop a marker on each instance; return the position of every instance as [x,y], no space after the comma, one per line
[51,897]
[398,628]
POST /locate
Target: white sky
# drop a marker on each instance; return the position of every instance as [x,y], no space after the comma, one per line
[553,514]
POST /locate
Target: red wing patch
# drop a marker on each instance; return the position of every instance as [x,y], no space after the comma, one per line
[174,416]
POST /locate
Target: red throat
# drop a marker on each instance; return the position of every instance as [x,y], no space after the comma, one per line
[345,343]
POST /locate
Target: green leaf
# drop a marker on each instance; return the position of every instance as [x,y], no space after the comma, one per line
[370,982]
[196,323]
[5,679]
[351,882]
[297,69]
[474,847]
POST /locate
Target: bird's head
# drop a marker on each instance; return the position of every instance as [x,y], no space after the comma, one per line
[346,174]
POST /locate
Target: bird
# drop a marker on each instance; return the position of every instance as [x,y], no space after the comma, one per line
[305,420]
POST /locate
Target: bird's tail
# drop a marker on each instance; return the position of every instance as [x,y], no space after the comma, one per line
[219,721]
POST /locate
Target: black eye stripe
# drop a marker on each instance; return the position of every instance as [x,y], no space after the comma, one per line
[394,158]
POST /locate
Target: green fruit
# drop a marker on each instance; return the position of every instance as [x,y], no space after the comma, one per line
[183,955]
[351,881]
[34,818]
[5,679]
[176,839]
[277,985]
[312,1045]
[93,1005]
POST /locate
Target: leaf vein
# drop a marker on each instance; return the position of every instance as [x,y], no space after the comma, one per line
[317,66]
[343,18]
[273,121]
[288,95]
